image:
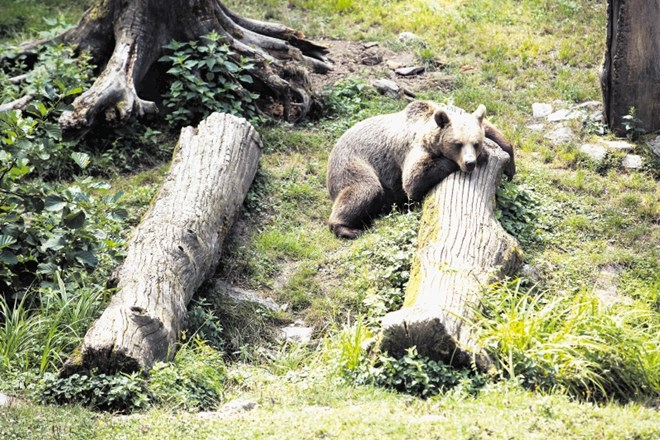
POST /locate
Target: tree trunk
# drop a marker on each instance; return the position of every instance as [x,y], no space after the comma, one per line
[175,247]
[461,249]
[125,38]
[631,68]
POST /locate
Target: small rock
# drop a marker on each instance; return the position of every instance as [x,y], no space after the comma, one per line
[530,272]
[370,44]
[595,152]
[541,110]
[560,135]
[296,334]
[632,161]
[371,57]
[392,64]
[617,145]
[387,87]
[563,115]
[238,295]
[590,106]
[655,146]
[536,127]
[409,71]
[228,409]
[5,400]
[407,37]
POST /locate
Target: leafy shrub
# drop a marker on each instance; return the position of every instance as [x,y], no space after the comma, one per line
[380,266]
[517,210]
[420,376]
[122,392]
[194,380]
[346,98]
[572,342]
[207,77]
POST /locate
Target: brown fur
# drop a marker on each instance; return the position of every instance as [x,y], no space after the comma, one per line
[396,158]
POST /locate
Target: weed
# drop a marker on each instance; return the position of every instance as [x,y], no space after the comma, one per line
[207,76]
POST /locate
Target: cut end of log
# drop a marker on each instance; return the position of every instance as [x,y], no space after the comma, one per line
[425,329]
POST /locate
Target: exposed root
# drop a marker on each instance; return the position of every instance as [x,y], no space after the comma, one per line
[17,104]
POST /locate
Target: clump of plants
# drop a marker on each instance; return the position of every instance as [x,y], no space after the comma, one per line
[517,209]
[572,342]
[206,77]
[380,266]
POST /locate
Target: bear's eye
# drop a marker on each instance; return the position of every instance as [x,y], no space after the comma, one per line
[458,145]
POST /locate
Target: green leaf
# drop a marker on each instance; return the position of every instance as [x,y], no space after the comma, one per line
[47,268]
[86,257]
[6,241]
[75,220]
[246,79]
[8,257]
[81,159]
[119,214]
[54,203]
[55,243]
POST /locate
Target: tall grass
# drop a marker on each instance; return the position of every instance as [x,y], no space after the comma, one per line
[573,342]
[38,336]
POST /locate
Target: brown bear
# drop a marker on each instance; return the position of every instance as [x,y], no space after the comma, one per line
[396,158]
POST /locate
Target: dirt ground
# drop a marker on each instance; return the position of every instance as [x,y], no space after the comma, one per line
[372,61]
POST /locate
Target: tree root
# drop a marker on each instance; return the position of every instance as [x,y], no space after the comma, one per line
[125,38]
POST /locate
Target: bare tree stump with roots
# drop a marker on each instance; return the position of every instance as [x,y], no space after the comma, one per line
[125,38]
[175,248]
[461,249]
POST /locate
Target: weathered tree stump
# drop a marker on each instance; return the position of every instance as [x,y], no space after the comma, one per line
[175,248]
[461,249]
[126,37]
[631,70]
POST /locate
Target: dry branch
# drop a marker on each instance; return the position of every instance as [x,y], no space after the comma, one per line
[175,248]
[461,249]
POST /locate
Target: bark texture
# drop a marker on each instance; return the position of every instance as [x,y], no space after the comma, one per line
[631,70]
[461,249]
[175,248]
[125,38]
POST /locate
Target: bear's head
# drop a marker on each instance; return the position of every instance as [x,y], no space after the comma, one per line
[460,137]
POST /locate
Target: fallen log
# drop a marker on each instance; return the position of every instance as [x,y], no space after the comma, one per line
[175,248]
[461,249]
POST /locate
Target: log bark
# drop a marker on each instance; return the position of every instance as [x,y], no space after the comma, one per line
[125,38]
[630,76]
[175,248]
[461,249]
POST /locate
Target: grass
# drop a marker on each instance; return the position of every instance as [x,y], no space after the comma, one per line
[557,345]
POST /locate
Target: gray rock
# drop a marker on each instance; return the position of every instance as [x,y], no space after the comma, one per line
[530,272]
[590,106]
[408,37]
[370,44]
[595,152]
[632,161]
[410,71]
[560,135]
[563,115]
[5,400]
[617,145]
[541,110]
[536,127]
[239,295]
[228,409]
[655,146]
[387,87]
[297,333]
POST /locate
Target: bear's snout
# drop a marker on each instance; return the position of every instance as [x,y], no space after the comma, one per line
[470,165]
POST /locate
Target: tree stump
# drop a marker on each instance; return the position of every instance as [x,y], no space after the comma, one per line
[461,249]
[631,69]
[175,248]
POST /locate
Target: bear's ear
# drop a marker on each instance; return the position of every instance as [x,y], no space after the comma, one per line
[480,112]
[441,118]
